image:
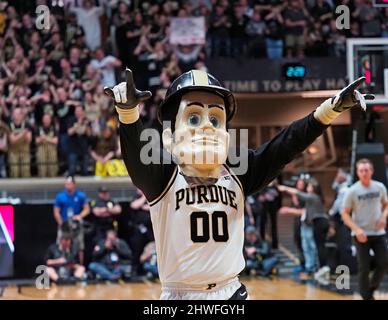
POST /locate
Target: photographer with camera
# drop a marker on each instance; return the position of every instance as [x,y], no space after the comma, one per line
[111,258]
[105,210]
[70,208]
[62,261]
[257,254]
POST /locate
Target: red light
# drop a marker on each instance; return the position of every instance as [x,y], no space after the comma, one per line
[378,108]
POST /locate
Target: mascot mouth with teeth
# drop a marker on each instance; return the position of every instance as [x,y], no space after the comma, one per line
[197,202]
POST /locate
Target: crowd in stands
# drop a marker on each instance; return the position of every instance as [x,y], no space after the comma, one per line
[54,116]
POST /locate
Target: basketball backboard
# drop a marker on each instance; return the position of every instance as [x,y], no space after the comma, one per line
[368,57]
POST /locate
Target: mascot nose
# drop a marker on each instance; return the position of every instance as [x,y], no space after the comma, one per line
[207,124]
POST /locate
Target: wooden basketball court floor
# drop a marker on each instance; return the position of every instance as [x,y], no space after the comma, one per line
[258,288]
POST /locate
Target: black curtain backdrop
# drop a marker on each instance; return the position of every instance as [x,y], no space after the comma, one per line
[36,230]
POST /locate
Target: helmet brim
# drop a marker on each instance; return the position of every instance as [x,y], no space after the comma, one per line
[229,99]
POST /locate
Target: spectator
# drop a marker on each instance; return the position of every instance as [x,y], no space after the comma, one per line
[253,209]
[4,132]
[315,40]
[340,186]
[384,25]
[274,33]
[91,79]
[77,63]
[64,111]
[88,17]
[112,258]
[62,261]
[369,16]
[298,203]
[149,261]
[104,151]
[93,113]
[322,12]
[19,145]
[106,65]
[336,42]
[73,30]
[187,56]
[79,131]
[271,205]
[255,30]
[296,20]
[105,211]
[354,31]
[338,233]
[314,226]
[46,139]
[257,253]
[133,31]
[220,25]
[71,206]
[102,100]
[238,35]
[55,47]
[140,225]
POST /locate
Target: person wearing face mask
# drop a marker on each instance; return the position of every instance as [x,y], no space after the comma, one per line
[197,200]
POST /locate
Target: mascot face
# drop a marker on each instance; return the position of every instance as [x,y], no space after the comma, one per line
[200,141]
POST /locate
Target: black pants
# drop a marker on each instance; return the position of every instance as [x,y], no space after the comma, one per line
[298,240]
[240,294]
[270,210]
[321,227]
[379,246]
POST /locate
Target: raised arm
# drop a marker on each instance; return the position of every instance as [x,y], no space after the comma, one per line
[151,178]
[289,190]
[266,162]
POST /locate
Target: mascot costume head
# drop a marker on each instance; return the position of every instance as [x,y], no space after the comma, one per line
[197,109]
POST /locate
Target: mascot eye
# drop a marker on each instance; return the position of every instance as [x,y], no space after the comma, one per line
[215,121]
[194,120]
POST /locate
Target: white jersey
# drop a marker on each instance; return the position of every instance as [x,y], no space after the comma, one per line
[199,231]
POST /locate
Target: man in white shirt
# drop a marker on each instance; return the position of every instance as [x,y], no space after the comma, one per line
[88,17]
[368,203]
[106,65]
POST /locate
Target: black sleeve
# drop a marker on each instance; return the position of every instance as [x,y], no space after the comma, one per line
[50,254]
[304,196]
[70,122]
[123,250]
[99,250]
[266,162]
[149,178]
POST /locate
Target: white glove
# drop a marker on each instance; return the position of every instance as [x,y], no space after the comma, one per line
[347,98]
[126,98]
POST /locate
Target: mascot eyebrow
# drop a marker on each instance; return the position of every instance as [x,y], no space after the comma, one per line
[200,104]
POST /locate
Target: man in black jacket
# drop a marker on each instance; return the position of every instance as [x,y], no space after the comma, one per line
[112,258]
[63,262]
[197,201]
